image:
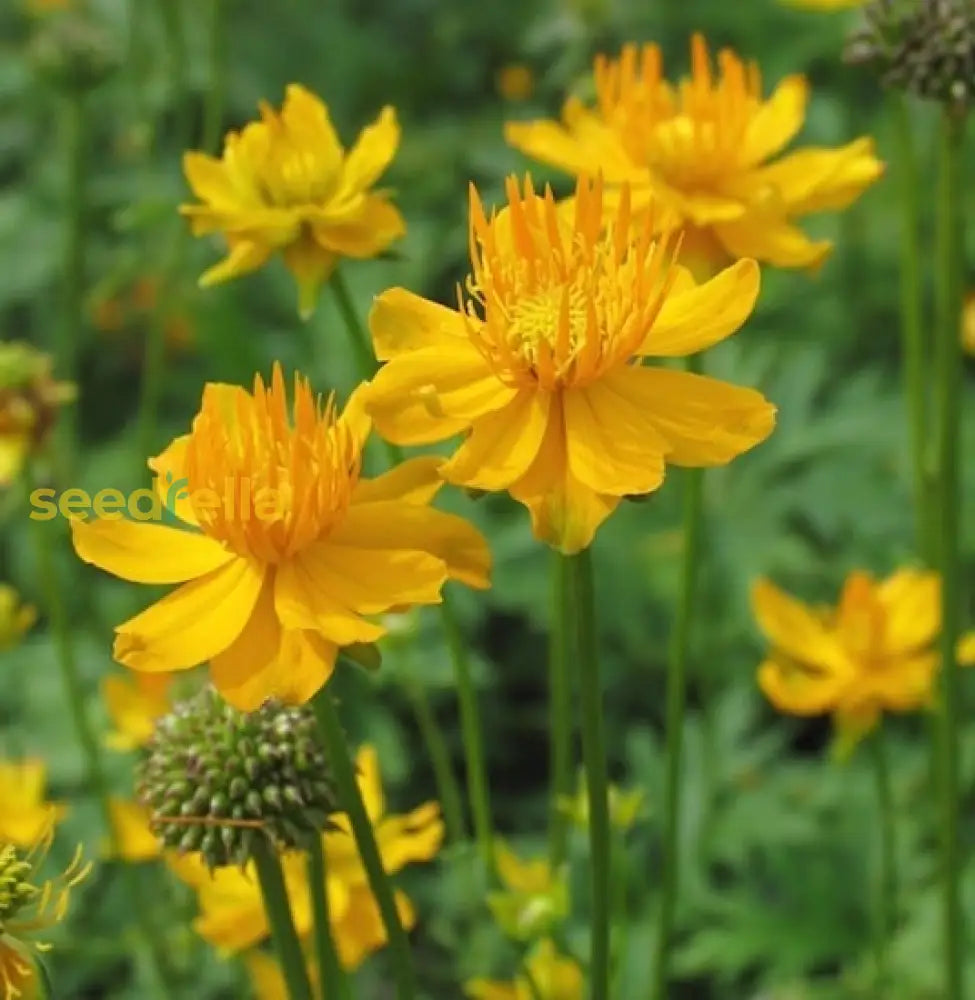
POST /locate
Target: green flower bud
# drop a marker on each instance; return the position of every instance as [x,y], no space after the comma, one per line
[215,778]
[74,53]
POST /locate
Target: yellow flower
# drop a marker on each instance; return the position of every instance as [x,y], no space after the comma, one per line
[515,82]
[285,183]
[26,907]
[136,841]
[873,653]
[133,706]
[824,4]
[15,618]
[267,980]
[286,547]
[533,898]
[705,149]
[968,324]
[625,807]
[541,363]
[25,813]
[232,915]
[554,978]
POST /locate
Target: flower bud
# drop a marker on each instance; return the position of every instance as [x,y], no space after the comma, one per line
[215,777]
[74,53]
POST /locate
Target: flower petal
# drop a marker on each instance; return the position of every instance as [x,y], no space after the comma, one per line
[912,601]
[704,314]
[772,241]
[417,836]
[414,481]
[144,552]
[192,624]
[306,117]
[798,692]
[311,265]
[366,232]
[501,445]
[777,121]
[372,153]
[432,394]
[401,321]
[245,256]
[794,630]
[209,180]
[170,481]
[702,420]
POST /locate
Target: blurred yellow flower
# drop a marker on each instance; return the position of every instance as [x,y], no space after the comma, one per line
[286,548]
[515,82]
[135,840]
[552,977]
[25,813]
[134,704]
[704,149]
[968,324]
[824,4]
[267,980]
[625,807]
[285,183]
[232,915]
[29,905]
[15,617]
[533,899]
[541,362]
[873,653]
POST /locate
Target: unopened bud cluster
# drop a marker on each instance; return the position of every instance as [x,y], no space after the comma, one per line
[29,396]
[215,778]
[926,47]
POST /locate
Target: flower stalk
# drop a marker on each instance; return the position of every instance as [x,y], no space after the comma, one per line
[334,985]
[560,712]
[887,895]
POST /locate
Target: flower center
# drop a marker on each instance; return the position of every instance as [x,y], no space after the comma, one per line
[294,175]
[15,891]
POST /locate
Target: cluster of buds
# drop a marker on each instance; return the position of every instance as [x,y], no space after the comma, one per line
[926,47]
[73,52]
[215,779]
[29,401]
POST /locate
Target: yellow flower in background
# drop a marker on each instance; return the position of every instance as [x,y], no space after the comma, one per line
[267,979]
[135,840]
[286,184]
[873,653]
[533,899]
[705,149]
[824,4]
[15,617]
[25,812]
[540,362]
[625,807]
[286,547]
[515,82]
[553,977]
[968,324]
[29,905]
[232,916]
[134,704]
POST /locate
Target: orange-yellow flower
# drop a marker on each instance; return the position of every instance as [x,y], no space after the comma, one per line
[285,183]
[705,150]
[133,705]
[540,362]
[284,549]
[873,653]
[553,977]
[25,812]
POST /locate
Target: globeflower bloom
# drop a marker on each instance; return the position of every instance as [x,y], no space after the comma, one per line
[286,184]
[553,977]
[540,362]
[284,547]
[705,149]
[25,812]
[873,653]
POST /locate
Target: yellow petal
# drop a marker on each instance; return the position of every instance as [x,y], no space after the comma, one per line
[367,232]
[244,256]
[772,241]
[432,394]
[170,480]
[370,783]
[401,321]
[417,836]
[415,481]
[501,445]
[147,553]
[210,181]
[190,625]
[792,628]
[311,265]
[705,314]
[912,602]
[306,117]
[391,524]
[965,650]
[372,153]
[777,121]
[797,692]
[703,421]
[136,841]
[360,930]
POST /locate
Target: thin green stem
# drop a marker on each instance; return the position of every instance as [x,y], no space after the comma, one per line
[343,771]
[887,894]
[171,15]
[278,910]
[213,102]
[915,362]
[948,361]
[331,975]
[560,713]
[358,335]
[578,570]
[470,722]
[448,788]
[676,704]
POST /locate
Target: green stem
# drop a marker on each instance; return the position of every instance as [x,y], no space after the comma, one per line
[477,783]
[948,361]
[278,910]
[171,15]
[578,570]
[887,896]
[343,772]
[448,788]
[331,974]
[914,359]
[213,103]
[560,713]
[358,336]
[676,703]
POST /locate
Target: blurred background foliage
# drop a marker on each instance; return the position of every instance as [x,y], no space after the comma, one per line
[779,838]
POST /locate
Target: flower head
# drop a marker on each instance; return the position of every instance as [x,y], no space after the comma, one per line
[534,898]
[540,362]
[28,906]
[871,654]
[25,812]
[553,977]
[285,183]
[134,704]
[704,150]
[285,547]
